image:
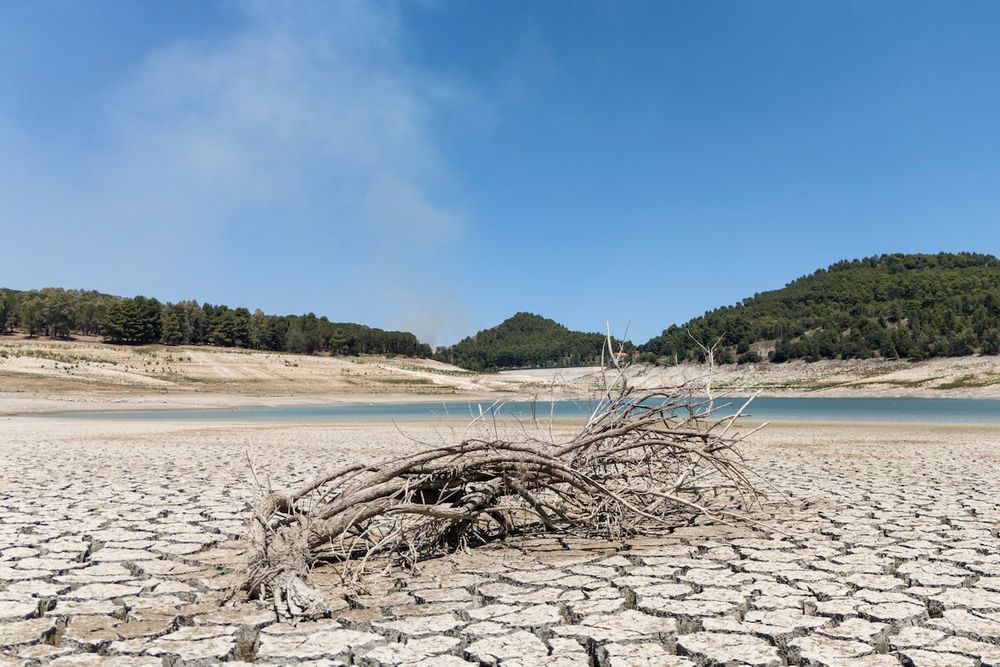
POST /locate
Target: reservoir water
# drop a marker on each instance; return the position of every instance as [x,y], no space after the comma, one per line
[913,410]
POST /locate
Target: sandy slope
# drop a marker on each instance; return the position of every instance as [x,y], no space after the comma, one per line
[956,377]
[48,375]
[37,375]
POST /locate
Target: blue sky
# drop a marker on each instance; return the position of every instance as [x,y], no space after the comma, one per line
[438,166]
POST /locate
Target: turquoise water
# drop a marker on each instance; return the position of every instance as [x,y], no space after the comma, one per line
[916,410]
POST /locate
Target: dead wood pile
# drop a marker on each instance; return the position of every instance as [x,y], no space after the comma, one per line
[644,458]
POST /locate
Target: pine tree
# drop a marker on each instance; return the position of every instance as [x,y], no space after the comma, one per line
[171,327]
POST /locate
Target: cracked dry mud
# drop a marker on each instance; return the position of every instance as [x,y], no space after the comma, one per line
[118,541]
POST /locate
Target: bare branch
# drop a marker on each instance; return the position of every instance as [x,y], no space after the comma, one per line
[645,458]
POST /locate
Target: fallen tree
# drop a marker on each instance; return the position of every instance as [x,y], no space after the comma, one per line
[645,458]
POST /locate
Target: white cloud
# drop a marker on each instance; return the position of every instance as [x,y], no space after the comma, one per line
[304,123]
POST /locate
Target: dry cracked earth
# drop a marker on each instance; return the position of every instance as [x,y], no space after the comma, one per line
[117,544]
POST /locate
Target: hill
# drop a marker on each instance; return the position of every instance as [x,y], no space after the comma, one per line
[61,313]
[890,306]
[525,340]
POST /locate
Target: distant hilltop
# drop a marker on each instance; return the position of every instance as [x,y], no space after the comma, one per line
[525,340]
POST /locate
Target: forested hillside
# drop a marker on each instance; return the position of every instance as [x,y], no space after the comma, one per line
[60,313]
[524,341]
[893,306]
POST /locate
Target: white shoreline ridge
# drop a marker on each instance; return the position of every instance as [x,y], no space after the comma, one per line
[814,409]
[44,375]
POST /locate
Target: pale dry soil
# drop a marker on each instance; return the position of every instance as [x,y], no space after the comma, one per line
[42,375]
[117,541]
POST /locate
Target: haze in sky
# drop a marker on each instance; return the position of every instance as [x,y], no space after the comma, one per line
[438,166]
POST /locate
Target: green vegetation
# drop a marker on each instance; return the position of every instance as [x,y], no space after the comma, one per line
[524,341]
[60,313]
[891,306]
[405,380]
[970,382]
[70,359]
[447,372]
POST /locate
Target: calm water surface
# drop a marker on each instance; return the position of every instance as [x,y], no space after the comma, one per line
[918,410]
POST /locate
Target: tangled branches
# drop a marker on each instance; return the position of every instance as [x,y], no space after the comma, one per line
[645,457]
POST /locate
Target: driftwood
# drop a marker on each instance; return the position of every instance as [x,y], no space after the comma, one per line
[644,458]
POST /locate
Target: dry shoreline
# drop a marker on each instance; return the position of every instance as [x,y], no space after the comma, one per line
[15,404]
[12,405]
[125,534]
[119,537]
[567,424]
[53,376]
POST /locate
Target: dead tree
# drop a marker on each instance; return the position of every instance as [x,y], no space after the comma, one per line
[644,458]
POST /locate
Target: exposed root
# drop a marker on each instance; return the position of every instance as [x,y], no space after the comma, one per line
[278,570]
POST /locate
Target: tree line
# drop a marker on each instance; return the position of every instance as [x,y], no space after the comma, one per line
[61,313]
[891,306]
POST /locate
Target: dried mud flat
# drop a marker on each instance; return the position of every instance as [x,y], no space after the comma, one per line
[118,540]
